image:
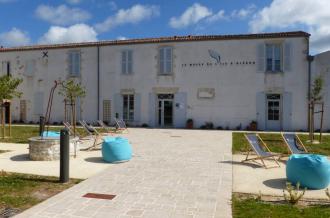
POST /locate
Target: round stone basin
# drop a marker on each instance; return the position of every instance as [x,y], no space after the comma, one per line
[48,148]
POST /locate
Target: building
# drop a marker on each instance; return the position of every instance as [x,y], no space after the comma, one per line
[229,80]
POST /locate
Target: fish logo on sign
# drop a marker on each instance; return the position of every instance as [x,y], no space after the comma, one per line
[215,55]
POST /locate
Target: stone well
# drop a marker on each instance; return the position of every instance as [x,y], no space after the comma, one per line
[48,148]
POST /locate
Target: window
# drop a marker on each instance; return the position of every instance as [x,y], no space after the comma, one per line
[30,68]
[128,107]
[6,68]
[273,107]
[274,57]
[107,111]
[166,60]
[74,63]
[126,62]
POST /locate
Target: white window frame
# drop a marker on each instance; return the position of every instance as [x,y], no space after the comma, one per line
[273,46]
[74,61]
[126,62]
[126,114]
[165,62]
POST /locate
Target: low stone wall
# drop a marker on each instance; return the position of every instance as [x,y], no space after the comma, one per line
[48,149]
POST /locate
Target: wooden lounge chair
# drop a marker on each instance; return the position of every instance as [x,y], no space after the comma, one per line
[294,144]
[120,125]
[70,128]
[257,144]
[93,132]
[105,127]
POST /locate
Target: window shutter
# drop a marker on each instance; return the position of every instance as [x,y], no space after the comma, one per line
[137,108]
[287,56]
[119,105]
[30,68]
[180,109]
[129,61]
[162,60]
[261,110]
[38,103]
[123,62]
[168,60]
[71,63]
[287,111]
[261,58]
[77,63]
[152,109]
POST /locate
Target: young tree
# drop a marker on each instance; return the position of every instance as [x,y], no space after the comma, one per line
[316,98]
[71,90]
[316,92]
[8,87]
[8,91]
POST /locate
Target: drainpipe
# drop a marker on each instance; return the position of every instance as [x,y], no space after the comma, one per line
[310,59]
[98,82]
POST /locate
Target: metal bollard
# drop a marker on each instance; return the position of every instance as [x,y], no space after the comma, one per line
[41,125]
[64,156]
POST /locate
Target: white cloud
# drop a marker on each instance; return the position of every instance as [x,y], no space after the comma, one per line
[74,2]
[14,37]
[243,12]
[61,15]
[121,38]
[218,16]
[75,33]
[191,15]
[113,6]
[198,13]
[285,14]
[135,14]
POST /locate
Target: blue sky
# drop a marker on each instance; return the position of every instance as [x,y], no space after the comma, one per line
[24,22]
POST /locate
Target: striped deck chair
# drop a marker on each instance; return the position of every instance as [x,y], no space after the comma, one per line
[257,144]
[294,144]
[120,125]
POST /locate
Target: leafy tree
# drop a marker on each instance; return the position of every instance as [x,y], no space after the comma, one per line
[8,87]
[317,87]
[71,90]
[316,96]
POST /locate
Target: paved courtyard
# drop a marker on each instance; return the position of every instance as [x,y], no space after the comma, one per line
[173,173]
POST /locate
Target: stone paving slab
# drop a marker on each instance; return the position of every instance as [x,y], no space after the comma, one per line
[173,173]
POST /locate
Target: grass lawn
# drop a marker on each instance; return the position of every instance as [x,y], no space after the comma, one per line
[275,143]
[21,134]
[22,191]
[251,208]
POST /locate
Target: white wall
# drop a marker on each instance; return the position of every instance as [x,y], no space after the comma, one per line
[321,66]
[235,85]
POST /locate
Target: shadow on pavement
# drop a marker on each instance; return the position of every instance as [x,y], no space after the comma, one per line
[276,183]
[248,164]
[95,160]
[20,157]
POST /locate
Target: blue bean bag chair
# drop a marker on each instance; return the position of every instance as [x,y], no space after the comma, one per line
[310,170]
[52,134]
[116,149]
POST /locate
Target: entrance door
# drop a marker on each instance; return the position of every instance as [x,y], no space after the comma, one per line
[7,112]
[165,110]
[22,113]
[274,112]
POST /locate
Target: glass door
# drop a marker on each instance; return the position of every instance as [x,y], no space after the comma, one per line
[274,112]
[165,110]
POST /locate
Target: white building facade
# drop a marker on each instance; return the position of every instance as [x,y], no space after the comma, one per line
[229,80]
